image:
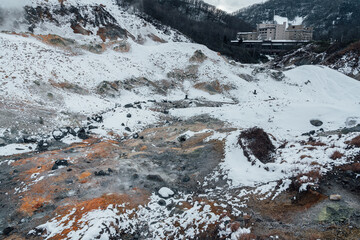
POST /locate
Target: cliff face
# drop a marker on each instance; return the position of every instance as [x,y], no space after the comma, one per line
[87,20]
[90,18]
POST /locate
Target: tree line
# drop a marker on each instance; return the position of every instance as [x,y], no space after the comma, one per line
[203,23]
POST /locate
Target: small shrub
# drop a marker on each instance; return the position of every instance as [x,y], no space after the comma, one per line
[313,163]
[355,167]
[198,56]
[313,143]
[258,142]
[336,155]
[318,144]
[354,142]
[312,176]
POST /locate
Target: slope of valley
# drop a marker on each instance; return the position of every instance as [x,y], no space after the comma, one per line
[113,128]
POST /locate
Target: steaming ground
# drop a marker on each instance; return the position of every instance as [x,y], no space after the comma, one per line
[138,138]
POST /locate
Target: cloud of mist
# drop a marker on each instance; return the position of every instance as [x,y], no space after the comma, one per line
[232,5]
[13,4]
[12,14]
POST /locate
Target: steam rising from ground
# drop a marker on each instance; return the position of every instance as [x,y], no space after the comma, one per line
[13,4]
[12,14]
[233,5]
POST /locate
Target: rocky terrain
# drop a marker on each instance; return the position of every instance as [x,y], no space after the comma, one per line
[343,57]
[114,128]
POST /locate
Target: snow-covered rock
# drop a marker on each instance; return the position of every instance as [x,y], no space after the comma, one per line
[165,192]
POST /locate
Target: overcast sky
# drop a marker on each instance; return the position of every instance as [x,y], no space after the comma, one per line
[232,5]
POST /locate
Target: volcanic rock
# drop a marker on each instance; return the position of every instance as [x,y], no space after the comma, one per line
[316,123]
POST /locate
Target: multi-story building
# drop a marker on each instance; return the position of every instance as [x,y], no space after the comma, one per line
[275,31]
[299,32]
[266,31]
[247,35]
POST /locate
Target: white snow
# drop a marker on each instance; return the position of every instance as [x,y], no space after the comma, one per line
[285,108]
[70,139]
[15,148]
[159,220]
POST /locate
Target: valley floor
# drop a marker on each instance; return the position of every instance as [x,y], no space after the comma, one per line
[148,138]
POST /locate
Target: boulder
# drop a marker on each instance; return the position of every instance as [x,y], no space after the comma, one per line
[2,142]
[198,56]
[101,173]
[334,213]
[71,131]
[60,162]
[97,118]
[155,178]
[277,75]
[351,121]
[28,139]
[312,132]
[82,134]
[42,145]
[165,192]
[162,202]
[112,32]
[122,47]
[335,197]
[182,138]
[186,178]
[214,87]
[316,122]
[7,231]
[233,226]
[248,77]
[255,141]
[58,134]
[108,88]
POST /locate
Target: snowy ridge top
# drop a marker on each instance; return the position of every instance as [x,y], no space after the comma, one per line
[55,17]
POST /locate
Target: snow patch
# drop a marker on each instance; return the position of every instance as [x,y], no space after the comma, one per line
[15,148]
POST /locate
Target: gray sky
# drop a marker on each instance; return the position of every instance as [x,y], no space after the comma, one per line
[232,5]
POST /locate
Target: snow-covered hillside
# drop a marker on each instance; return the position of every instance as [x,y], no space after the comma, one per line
[343,57]
[149,136]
